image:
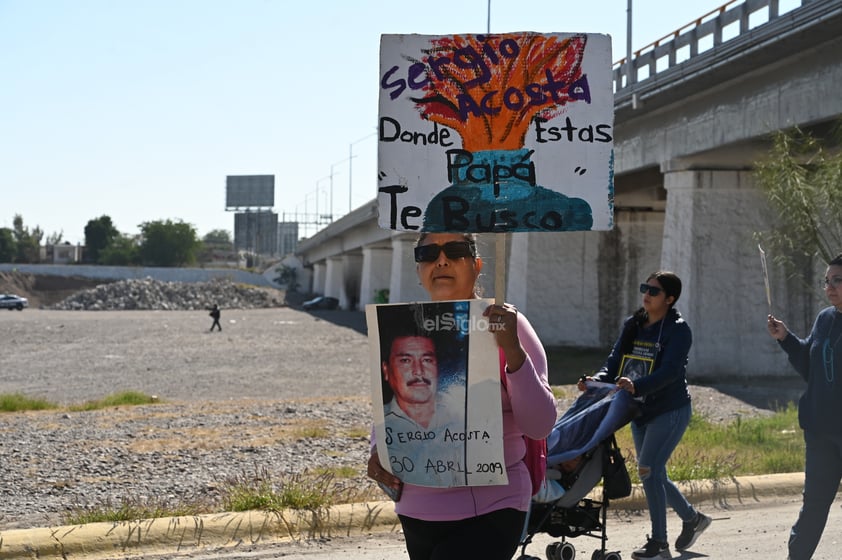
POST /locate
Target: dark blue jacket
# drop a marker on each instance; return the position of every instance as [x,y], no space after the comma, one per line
[665,388]
[814,358]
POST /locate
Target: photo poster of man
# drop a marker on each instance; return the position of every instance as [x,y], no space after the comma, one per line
[435,385]
[496,133]
[640,362]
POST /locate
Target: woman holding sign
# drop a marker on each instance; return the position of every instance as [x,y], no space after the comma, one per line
[480,521]
[649,360]
[819,411]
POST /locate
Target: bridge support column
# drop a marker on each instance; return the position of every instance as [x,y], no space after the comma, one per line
[319,272]
[376,273]
[333,278]
[349,292]
[577,287]
[708,242]
[551,277]
[404,286]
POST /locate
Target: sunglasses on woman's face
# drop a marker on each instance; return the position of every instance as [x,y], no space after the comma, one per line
[452,250]
[653,290]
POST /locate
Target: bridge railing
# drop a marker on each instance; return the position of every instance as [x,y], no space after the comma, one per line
[697,37]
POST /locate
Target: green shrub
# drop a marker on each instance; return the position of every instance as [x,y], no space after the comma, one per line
[16,402]
[746,446]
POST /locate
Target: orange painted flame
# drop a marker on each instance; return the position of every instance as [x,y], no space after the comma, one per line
[470,77]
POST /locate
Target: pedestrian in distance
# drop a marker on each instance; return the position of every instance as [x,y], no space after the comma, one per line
[480,521]
[649,360]
[819,411]
[215,314]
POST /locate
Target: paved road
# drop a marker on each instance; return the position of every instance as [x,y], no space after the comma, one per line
[753,530]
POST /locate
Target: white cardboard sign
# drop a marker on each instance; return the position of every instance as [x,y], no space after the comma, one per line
[496,133]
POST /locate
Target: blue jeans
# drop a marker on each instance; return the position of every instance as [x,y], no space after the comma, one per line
[822,473]
[654,443]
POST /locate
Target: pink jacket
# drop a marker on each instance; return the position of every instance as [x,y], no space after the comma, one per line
[529,408]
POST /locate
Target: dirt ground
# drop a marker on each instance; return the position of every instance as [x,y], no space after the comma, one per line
[70,357]
[74,356]
[44,290]
[275,353]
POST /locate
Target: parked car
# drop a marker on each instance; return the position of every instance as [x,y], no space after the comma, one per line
[321,302]
[11,301]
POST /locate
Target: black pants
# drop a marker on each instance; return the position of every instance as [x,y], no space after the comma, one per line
[216,324]
[493,536]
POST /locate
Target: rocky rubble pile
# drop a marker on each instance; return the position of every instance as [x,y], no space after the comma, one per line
[151,294]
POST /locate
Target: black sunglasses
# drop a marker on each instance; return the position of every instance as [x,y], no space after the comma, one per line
[653,290]
[452,250]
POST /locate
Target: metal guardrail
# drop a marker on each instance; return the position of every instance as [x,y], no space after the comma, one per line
[692,37]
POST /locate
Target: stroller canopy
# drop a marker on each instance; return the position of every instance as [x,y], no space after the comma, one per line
[598,412]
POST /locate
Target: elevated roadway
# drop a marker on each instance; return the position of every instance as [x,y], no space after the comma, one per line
[693,113]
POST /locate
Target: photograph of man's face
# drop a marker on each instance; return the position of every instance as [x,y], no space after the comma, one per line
[412,371]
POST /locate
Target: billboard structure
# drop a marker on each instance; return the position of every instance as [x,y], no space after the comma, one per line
[256,232]
[255,225]
[249,191]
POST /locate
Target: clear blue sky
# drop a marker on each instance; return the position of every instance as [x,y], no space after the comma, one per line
[139,109]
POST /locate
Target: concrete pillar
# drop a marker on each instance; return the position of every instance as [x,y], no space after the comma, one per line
[708,242]
[577,287]
[333,277]
[376,273]
[552,279]
[404,286]
[319,273]
[350,287]
[627,255]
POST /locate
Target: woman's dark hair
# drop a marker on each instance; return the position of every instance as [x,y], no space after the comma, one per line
[837,260]
[671,284]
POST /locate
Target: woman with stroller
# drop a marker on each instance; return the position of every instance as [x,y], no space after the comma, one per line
[649,360]
[481,521]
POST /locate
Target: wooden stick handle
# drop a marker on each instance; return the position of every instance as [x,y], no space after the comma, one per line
[500,268]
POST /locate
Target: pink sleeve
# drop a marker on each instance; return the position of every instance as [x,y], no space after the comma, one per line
[533,403]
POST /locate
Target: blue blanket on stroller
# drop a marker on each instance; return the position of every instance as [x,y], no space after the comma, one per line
[599,411]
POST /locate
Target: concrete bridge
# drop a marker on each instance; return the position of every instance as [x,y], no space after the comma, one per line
[693,113]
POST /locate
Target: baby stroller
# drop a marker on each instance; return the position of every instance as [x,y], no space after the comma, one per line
[582,451]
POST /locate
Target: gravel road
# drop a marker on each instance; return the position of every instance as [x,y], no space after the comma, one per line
[276,392]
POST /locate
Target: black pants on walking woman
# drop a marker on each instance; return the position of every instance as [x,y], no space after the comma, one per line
[493,536]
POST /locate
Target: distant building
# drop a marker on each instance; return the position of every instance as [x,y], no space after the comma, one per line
[63,253]
[287,238]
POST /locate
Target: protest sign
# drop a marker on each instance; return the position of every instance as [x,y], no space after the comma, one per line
[496,133]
